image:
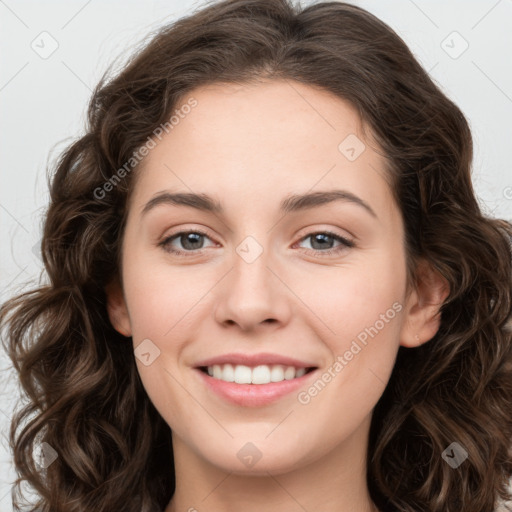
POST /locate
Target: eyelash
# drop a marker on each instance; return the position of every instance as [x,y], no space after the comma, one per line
[345,243]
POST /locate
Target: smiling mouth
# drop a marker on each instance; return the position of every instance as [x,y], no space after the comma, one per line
[261,374]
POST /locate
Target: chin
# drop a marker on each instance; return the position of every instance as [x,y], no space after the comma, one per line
[257,459]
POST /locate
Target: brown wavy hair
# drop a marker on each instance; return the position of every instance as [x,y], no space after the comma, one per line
[84,395]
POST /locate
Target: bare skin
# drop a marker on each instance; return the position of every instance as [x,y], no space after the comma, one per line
[250,147]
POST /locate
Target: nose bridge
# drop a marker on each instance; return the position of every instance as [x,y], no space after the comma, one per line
[251,275]
[252,293]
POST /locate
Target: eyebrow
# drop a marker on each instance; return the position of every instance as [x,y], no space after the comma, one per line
[293,203]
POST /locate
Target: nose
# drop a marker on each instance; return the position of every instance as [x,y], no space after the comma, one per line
[253,295]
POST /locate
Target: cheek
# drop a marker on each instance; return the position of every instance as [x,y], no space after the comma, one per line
[360,326]
[160,297]
[163,304]
[358,311]
[354,296]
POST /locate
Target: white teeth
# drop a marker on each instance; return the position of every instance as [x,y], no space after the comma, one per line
[262,374]
[276,373]
[289,373]
[300,372]
[242,374]
[228,373]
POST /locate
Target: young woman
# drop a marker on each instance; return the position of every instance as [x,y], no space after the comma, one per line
[270,285]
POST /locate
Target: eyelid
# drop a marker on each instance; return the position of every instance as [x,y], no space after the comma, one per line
[178,230]
[182,231]
[334,231]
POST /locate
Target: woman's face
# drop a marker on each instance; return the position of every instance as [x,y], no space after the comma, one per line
[274,281]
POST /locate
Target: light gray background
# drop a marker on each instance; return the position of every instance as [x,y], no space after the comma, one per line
[43,102]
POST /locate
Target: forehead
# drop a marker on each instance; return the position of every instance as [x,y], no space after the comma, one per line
[263,139]
[281,114]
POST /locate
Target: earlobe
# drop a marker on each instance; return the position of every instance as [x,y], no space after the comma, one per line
[423,308]
[116,308]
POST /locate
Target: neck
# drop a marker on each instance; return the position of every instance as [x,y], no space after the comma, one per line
[334,482]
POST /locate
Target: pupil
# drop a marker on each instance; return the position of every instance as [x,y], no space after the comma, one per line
[191,238]
[321,237]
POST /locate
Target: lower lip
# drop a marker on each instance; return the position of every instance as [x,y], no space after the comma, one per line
[253,395]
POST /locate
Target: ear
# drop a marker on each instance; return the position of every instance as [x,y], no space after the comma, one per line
[117,310]
[422,316]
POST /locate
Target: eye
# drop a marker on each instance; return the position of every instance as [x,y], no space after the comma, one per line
[322,242]
[191,241]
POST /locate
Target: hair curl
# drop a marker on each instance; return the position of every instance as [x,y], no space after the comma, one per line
[85,397]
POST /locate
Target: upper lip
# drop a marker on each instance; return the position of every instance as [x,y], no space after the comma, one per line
[255,360]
